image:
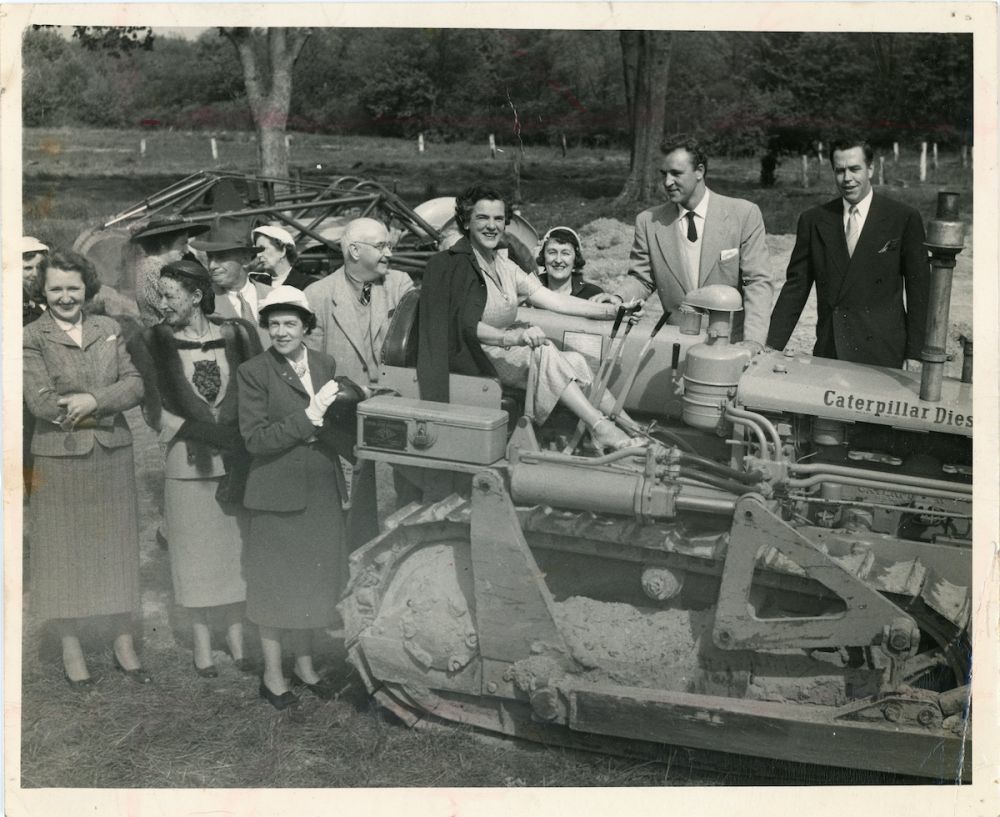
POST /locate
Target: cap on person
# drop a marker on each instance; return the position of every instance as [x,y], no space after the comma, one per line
[280,235]
[30,244]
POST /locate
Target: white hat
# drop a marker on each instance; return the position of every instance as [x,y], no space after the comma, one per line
[286,296]
[32,244]
[277,233]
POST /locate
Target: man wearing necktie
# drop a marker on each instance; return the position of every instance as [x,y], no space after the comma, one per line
[354,303]
[236,295]
[863,251]
[699,238]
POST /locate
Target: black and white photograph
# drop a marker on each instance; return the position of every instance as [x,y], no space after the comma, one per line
[474,408]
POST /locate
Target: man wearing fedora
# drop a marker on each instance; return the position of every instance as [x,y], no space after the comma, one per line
[236,295]
[162,241]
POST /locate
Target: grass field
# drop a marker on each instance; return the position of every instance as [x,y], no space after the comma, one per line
[189,732]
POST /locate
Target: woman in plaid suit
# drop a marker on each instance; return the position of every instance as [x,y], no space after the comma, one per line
[78,379]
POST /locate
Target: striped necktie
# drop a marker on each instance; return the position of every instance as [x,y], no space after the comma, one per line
[366,293]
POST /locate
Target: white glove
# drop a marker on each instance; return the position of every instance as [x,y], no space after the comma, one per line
[326,395]
[315,413]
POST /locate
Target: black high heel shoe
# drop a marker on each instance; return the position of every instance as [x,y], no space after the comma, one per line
[138,675]
[279,702]
[206,672]
[323,688]
[82,685]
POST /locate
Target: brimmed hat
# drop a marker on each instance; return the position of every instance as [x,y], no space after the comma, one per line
[31,244]
[277,233]
[187,268]
[165,226]
[287,297]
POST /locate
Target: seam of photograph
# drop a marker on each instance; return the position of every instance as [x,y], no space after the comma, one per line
[489,408]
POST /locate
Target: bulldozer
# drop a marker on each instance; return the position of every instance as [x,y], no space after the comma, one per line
[782,572]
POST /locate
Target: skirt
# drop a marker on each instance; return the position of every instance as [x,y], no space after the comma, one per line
[84,535]
[544,373]
[206,544]
[296,561]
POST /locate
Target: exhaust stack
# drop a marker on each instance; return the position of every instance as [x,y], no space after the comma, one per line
[945,240]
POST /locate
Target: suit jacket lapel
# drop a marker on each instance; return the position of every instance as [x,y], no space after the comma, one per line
[377,311]
[54,332]
[319,372]
[713,241]
[344,313]
[285,371]
[665,236]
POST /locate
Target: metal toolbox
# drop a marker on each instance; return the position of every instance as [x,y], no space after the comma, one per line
[443,431]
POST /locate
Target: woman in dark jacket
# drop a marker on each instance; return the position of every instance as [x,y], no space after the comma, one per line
[296,556]
[278,256]
[78,379]
[189,367]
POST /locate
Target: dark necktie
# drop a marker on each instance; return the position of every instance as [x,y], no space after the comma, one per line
[692,231]
[366,293]
[245,311]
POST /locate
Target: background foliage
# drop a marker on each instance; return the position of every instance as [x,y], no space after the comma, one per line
[741,90]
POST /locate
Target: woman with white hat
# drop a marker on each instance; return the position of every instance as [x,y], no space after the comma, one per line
[278,256]
[296,558]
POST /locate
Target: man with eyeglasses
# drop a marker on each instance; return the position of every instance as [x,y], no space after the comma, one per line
[354,303]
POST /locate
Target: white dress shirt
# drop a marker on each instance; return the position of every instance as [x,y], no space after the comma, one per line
[249,292]
[692,249]
[863,207]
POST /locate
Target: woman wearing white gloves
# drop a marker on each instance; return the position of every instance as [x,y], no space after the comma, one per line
[296,558]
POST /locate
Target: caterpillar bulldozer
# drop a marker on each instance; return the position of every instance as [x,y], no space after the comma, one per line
[782,572]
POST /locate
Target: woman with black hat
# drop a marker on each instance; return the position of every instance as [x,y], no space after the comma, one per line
[162,241]
[562,258]
[189,367]
[296,557]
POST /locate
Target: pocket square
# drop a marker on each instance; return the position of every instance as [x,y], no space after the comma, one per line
[733,253]
[111,337]
[889,245]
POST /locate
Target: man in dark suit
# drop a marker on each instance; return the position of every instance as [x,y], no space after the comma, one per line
[862,250]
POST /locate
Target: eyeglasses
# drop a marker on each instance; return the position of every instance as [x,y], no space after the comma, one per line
[382,247]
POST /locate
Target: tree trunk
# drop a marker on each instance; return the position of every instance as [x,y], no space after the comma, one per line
[630,64]
[648,111]
[269,89]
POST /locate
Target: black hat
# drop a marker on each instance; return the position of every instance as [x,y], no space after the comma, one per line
[165,226]
[190,269]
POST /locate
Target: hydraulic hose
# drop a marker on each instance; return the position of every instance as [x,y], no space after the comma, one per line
[819,479]
[750,478]
[765,451]
[879,476]
[716,482]
[766,424]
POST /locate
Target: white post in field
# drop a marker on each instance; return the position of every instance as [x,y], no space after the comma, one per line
[895,151]
[215,150]
[493,147]
[819,152]
[934,158]
[881,171]
[923,161]
[142,147]
[288,142]
[420,143]
[805,170]
[965,156]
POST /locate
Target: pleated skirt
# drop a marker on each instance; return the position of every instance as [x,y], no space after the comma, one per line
[206,544]
[296,561]
[84,535]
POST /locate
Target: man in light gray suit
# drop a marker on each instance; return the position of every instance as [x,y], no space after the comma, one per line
[236,295]
[354,303]
[700,238]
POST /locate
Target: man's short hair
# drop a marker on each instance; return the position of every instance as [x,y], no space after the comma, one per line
[691,145]
[848,142]
[352,231]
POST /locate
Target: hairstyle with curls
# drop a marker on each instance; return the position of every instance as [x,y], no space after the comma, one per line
[291,253]
[848,142]
[308,318]
[479,192]
[694,148]
[207,303]
[562,236]
[69,261]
